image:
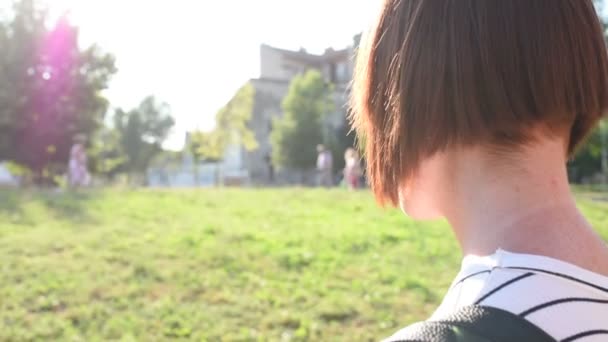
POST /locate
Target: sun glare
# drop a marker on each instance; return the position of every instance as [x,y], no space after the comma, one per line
[60,9]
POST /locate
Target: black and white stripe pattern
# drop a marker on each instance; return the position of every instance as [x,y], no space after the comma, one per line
[569,303]
[502,286]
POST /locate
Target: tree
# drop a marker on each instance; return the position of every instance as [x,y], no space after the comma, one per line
[50,88]
[592,158]
[295,135]
[206,146]
[231,128]
[343,139]
[142,132]
[588,160]
[106,156]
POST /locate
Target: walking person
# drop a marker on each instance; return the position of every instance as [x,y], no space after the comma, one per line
[352,168]
[324,167]
[470,110]
[78,173]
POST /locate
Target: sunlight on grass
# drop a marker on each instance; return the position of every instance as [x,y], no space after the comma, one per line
[220,265]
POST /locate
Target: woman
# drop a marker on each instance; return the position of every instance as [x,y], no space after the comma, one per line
[324,166]
[352,168]
[469,111]
[78,172]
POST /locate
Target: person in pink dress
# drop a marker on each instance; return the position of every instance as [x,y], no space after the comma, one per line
[78,174]
[352,168]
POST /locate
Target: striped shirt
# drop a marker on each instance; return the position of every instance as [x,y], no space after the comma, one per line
[566,301]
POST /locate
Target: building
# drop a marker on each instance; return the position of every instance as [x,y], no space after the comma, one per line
[277,70]
[283,65]
[278,67]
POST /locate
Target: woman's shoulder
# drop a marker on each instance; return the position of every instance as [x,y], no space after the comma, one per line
[565,301]
[544,291]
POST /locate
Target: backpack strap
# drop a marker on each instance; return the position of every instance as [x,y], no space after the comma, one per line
[474,324]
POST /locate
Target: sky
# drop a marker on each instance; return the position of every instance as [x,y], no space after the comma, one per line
[194,54]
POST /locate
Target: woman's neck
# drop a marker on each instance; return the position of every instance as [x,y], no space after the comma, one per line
[530,210]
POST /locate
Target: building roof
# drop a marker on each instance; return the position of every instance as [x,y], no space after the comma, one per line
[303,55]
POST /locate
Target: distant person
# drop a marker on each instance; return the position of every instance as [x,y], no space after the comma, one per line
[78,173]
[268,160]
[469,111]
[324,166]
[352,168]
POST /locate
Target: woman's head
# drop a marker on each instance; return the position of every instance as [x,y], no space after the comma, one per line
[436,76]
[350,153]
[80,138]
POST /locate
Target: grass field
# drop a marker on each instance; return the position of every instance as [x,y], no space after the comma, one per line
[220,265]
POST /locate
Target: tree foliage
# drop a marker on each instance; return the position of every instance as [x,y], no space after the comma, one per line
[50,88]
[295,136]
[588,160]
[142,131]
[343,139]
[106,156]
[205,146]
[231,128]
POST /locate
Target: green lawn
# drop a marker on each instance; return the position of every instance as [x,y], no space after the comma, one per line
[220,265]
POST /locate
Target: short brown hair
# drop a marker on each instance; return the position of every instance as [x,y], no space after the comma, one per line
[434,74]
